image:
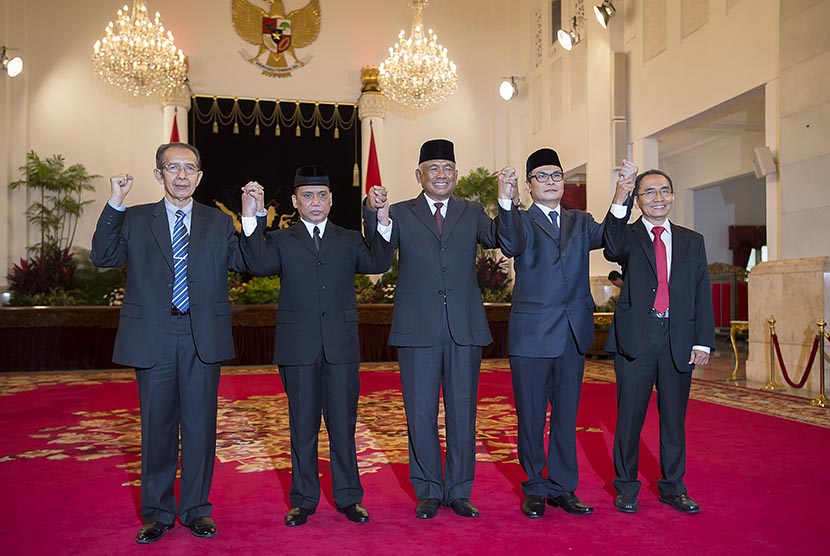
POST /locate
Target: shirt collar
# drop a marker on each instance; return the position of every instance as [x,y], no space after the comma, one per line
[310,227]
[171,208]
[547,210]
[431,203]
[665,225]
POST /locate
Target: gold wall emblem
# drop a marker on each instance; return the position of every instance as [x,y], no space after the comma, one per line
[276,33]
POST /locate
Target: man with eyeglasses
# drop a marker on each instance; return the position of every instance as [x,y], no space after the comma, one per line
[174,329]
[663,327]
[551,324]
[439,327]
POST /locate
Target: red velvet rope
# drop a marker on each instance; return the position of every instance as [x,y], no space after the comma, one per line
[784,369]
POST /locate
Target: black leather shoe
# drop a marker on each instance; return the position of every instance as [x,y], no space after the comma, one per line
[463,507]
[427,508]
[356,513]
[570,503]
[297,516]
[626,504]
[203,527]
[681,503]
[151,532]
[533,505]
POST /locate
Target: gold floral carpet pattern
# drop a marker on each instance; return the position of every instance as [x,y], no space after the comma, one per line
[253,430]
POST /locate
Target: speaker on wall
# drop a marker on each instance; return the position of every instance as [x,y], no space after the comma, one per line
[763,161]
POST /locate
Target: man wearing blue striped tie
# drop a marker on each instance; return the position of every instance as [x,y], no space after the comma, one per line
[175,329]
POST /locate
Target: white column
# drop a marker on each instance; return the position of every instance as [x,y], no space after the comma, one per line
[371,108]
[174,103]
[773,197]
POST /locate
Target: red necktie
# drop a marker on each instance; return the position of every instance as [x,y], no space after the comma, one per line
[439,218]
[661,300]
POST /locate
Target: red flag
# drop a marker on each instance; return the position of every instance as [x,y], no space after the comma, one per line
[174,134]
[372,168]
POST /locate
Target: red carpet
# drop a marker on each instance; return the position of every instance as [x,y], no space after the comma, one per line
[69,462]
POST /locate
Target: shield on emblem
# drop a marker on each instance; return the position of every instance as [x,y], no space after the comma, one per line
[276,34]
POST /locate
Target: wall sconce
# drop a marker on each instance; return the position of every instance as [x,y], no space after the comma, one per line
[508,88]
[11,66]
[568,39]
[604,13]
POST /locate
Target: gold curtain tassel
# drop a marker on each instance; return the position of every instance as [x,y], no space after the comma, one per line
[317,131]
[336,132]
[236,128]
[215,126]
[256,129]
[277,130]
[356,176]
[297,131]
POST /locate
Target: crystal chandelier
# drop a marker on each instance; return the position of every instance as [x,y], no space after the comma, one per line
[417,72]
[139,55]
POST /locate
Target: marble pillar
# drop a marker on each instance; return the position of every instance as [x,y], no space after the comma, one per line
[796,292]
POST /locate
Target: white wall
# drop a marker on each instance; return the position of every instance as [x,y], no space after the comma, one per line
[735,52]
[738,202]
[59,106]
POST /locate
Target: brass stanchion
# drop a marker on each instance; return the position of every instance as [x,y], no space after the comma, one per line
[736,326]
[821,400]
[772,385]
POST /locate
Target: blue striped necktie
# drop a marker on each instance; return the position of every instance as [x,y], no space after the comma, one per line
[181,240]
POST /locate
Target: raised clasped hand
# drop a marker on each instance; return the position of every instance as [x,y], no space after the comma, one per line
[508,184]
[253,198]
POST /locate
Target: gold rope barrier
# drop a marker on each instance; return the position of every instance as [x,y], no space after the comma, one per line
[821,399]
[772,385]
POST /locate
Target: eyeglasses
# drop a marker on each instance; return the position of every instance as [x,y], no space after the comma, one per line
[652,193]
[542,177]
[175,168]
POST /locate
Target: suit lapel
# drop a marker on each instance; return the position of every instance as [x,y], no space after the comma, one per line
[329,238]
[541,219]
[638,229]
[160,229]
[454,210]
[198,231]
[567,221]
[300,233]
[420,207]
[679,249]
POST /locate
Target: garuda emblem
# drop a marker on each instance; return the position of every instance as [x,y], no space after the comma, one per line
[276,33]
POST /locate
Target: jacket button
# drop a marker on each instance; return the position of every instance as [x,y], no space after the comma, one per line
[444,269]
[440,292]
[323,314]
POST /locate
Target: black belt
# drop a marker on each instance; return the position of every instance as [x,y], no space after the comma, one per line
[176,313]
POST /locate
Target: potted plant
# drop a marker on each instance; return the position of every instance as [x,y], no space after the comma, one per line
[47,275]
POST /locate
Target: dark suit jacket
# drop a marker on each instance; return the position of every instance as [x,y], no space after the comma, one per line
[691,318]
[140,238]
[552,290]
[437,269]
[317,305]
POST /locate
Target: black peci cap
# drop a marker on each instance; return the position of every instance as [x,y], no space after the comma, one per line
[311,175]
[437,149]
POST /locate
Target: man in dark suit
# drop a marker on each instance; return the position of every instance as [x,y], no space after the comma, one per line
[663,327]
[175,329]
[551,325]
[439,327]
[317,347]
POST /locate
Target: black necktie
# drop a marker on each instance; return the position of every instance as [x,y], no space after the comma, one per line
[554,218]
[317,238]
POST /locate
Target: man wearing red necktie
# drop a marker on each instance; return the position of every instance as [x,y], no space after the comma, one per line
[663,327]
